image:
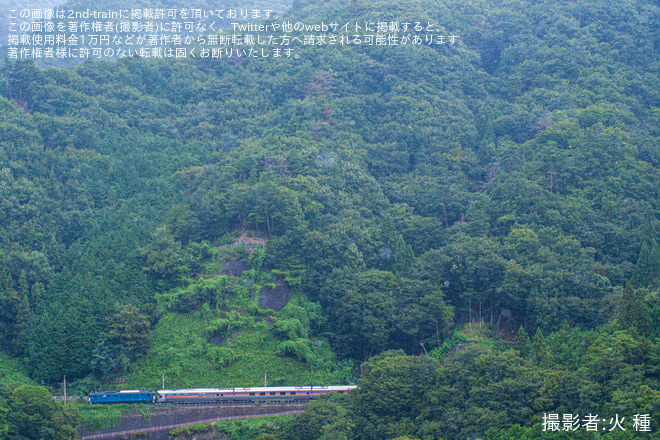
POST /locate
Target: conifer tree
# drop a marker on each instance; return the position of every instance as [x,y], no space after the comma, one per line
[389,232]
[540,353]
[5,276]
[653,364]
[633,312]
[522,342]
[647,269]
[23,287]
[20,306]
[36,295]
[654,276]
[403,255]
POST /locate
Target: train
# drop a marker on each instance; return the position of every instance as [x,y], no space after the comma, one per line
[217,396]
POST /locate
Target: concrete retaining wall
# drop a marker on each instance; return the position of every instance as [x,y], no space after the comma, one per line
[170,415]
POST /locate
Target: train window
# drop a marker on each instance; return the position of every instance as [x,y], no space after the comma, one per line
[293,393]
[272,393]
[262,394]
[282,393]
[251,394]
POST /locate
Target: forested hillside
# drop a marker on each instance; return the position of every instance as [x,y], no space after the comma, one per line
[469,231]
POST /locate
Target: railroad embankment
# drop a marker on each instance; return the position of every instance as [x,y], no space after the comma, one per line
[161,419]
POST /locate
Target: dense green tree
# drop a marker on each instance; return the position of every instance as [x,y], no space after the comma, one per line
[403,256]
[522,342]
[365,314]
[34,414]
[327,418]
[390,393]
[611,353]
[633,311]
[539,353]
[129,329]
[457,405]
[161,253]
[4,414]
[16,310]
[647,269]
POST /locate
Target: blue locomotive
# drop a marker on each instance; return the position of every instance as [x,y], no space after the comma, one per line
[127,396]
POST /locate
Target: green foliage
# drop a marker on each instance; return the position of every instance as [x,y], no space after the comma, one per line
[98,417]
[212,291]
[539,353]
[522,342]
[375,310]
[186,431]
[647,269]
[290,329]
[326,418]
[390,393]
[130,329]
[252,429]
[194,350]
[633,311]
[257,258]
[610,353]
[471,405]
[34,414]
[403,256]
[12,372]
